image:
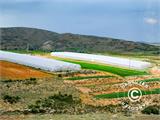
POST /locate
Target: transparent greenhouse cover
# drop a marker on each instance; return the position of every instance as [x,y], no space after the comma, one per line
[122,62]
[38,62]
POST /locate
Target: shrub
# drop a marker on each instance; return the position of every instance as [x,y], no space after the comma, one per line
[30,81]
[26,81]
[152,110]
[11,99]
[34,108]
[59,103]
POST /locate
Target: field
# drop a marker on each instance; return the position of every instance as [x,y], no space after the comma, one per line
[104,87]
[125,94]
[106,68]
[98,88]
[15,71]
[112,87]
[29,92]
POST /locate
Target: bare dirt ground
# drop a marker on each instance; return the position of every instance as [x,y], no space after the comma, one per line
[155,71]
[15,71]
[87,73]
[94,81]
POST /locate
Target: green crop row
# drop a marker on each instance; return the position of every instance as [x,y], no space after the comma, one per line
[125,94]
[87,77]
[106,68]
[150,80]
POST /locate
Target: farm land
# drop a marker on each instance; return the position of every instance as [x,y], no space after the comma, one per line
[109,84]
[14,71]
[95,85]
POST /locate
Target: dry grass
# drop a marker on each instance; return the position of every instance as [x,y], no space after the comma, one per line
[95,116]
[30,93]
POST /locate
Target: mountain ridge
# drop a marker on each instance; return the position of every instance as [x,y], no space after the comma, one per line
[22,38]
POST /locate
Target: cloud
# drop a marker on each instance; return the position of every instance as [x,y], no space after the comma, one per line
[151,21]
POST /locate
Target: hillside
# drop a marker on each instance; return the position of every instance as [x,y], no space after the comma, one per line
[21,38]
[155,44]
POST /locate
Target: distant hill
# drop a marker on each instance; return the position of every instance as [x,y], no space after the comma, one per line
[155,44]
[21,38]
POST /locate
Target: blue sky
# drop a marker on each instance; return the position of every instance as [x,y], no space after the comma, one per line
[137,20]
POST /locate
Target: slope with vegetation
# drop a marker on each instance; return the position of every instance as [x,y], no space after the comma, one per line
[21,38]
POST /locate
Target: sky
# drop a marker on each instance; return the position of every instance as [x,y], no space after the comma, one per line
[135,20]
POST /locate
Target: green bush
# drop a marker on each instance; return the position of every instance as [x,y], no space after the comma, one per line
[59,103]
[151,110]
[65,104]
[11,99]
[26,81]
[36,109]
[30,81]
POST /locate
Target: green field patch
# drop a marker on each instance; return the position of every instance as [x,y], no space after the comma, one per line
[125,94]
[150,80]
[106,68]
[87,77]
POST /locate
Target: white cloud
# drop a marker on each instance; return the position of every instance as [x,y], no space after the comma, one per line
[151,21]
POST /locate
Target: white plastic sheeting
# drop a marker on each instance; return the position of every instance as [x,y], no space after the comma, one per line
[38,62]
[122,62]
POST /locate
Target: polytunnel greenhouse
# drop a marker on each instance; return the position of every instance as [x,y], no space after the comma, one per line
[116,61]
[38,62]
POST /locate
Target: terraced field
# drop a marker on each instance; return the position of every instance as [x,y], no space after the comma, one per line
[106,89]
[108,84]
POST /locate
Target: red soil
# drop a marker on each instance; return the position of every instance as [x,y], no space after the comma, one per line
[13,71]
